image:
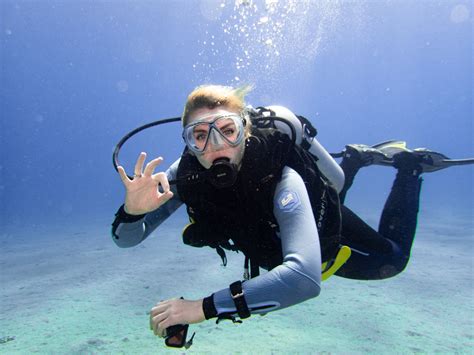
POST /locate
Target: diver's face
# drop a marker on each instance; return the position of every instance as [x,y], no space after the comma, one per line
[217,147]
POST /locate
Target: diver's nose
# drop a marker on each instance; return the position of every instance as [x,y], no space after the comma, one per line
[216,142]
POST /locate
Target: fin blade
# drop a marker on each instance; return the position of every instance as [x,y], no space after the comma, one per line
[451,162]
[390,148]
[391,143]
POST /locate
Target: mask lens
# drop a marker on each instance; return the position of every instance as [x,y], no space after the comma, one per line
[198,135]
[229,129]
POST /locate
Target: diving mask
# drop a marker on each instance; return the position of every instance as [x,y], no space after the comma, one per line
[226,129]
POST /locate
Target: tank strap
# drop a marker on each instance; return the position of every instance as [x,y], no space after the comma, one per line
[309,132]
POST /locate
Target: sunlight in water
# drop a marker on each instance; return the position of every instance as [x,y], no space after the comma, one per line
[262,36]
[460,13]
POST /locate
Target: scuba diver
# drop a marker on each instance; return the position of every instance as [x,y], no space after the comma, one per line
[259,182]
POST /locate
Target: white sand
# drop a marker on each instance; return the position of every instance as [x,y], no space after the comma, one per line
[68,290]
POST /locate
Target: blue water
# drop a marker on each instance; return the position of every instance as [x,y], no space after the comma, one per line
[77,75]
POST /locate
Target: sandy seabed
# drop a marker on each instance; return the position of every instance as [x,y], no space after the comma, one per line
[70,290]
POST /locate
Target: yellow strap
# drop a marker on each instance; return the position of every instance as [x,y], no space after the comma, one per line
[187,225]
[342,256]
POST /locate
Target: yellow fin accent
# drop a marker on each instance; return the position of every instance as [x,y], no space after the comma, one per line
[401,145]
[342,256]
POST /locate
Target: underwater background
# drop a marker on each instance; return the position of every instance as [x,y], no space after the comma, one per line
[78,75]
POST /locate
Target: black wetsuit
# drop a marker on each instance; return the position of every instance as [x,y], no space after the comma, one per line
[383,253]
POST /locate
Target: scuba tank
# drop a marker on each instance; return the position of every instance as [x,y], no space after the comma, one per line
[305,137]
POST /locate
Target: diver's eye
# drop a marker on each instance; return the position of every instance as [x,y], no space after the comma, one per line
[200,137]
[229,132]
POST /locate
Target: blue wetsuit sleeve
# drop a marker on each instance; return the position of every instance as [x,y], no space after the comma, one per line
[130,234]
[298,278]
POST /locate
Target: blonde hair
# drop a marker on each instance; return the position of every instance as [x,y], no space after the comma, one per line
[211,96]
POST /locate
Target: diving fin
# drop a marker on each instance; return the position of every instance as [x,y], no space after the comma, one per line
[378,154]
[390,148]
[433,161]
[363,154]
[395,153]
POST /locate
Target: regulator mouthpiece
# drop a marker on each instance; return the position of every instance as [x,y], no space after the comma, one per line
[222,173]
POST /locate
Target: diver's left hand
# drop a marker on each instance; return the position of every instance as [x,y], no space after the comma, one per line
[175,311]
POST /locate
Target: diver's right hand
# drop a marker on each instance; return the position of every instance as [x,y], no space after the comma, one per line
[142,194]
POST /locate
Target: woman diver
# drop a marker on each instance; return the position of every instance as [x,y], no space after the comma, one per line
[278,202]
